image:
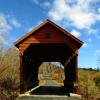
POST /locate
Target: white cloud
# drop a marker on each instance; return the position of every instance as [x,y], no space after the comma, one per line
[75,33]
[58,10]
[89,40]
[92,31]
[15,23]
[81,20]
[3,40]
[39,22]
[32,27]
[82,17]
[36,1]
[85,45]
[97,53]
[46,4]
[98,17]
[98,10]
[4,26]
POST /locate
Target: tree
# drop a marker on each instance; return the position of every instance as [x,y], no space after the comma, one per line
[10,66]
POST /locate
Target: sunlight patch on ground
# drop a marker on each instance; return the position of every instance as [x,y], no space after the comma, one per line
[42,82]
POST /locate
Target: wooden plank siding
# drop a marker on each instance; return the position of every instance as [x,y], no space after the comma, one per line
[40,37]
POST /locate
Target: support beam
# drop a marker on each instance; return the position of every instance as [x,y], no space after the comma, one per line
[71,74]
[28,73]
[68,82]
[21,82]
[74,68]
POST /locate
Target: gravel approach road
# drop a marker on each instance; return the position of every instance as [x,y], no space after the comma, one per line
[50,91]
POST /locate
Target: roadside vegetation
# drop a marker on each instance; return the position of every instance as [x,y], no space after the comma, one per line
[88,84]
[9,74]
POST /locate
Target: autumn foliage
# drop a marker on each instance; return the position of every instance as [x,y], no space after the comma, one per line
[88,84]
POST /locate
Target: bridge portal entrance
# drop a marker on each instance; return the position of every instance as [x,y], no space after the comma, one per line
[47,43]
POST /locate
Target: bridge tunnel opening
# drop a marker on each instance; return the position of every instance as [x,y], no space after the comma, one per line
[51,71]
[37,55]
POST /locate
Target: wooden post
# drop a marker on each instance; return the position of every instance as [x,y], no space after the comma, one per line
[76,62]
[21,81]
[71,74]
[68,82]
[75,73]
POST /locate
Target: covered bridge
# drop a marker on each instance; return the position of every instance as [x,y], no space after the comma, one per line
[47,43]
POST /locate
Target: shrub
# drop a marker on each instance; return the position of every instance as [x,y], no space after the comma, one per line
[97,81]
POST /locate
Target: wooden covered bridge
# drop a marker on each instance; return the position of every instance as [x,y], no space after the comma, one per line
[47,43]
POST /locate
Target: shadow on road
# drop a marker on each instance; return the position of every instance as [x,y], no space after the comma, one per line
[49,90]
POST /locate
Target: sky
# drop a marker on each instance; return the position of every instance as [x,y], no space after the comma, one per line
[79,17]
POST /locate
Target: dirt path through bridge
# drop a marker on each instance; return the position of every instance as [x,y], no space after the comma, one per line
[49,91]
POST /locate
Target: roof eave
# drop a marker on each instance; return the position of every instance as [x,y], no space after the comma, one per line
[42,24]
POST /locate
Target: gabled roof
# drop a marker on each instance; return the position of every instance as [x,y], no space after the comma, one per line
[41,25]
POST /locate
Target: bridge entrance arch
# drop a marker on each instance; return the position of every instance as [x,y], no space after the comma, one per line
[47,43]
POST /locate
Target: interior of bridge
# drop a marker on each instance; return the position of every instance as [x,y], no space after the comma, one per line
[36,54]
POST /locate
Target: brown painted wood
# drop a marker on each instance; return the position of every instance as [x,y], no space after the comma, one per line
[40,37]
[58,35]
[54,25]
[47,42]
